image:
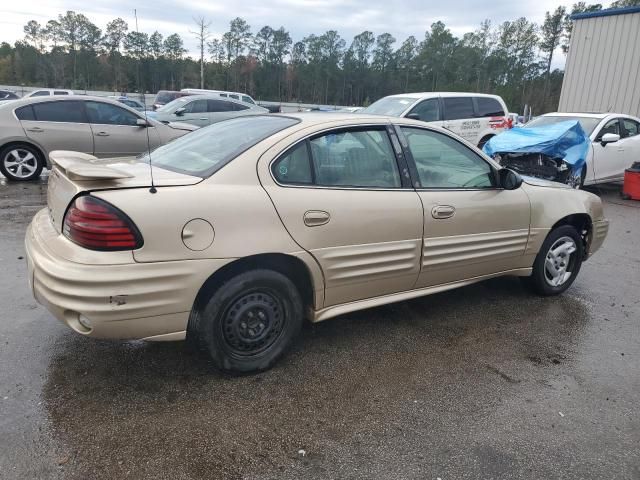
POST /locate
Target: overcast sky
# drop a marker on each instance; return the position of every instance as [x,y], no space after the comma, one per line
[401,18]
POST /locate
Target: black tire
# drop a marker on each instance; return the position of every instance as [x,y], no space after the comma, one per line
[540,277]
[484,140]
[21,162]
[249,322]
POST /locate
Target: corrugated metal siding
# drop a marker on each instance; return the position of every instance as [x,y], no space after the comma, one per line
[603,66]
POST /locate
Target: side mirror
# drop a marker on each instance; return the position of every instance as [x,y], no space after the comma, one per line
[180,111]
[414,116]
[509,180]
[141,122]
[609,138]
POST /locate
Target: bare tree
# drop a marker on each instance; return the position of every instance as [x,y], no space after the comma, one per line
[202,34]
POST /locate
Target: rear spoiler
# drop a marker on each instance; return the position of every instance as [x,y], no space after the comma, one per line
[82,166]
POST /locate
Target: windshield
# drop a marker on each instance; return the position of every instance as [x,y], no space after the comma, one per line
[207,150]
[588,124]
[177,103]
[393,106]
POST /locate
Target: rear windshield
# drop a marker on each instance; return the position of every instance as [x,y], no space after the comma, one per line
[392,106]
[205,151]
[588,124]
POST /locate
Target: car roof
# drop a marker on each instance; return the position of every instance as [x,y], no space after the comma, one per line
[418,95]
[310,119]
[64,98]
[213,96]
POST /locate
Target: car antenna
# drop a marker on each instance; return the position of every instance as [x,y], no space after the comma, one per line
[144,102]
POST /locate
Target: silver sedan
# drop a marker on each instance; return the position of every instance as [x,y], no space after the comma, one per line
[31,128]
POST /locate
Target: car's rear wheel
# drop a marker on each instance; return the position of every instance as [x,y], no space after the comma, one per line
[20,162]
[558,261]
[249,322]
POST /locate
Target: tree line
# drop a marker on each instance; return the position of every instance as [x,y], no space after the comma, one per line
[513,59]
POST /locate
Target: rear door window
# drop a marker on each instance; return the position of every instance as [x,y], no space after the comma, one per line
[355,158]
[456,108]
[235,97]
[69,112]
[219,106]
[489,107]
[60,92]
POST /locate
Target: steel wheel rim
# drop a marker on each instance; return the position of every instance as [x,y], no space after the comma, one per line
[252,323]
[20,163]
[559,261]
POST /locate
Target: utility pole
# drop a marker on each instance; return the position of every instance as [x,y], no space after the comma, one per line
[202,34]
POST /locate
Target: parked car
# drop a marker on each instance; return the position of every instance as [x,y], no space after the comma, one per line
[241,97]
[203,110]
[6,95]
[129,102]
[165,96]
[266,220]
[476,117]
[31,128]
[555,152]
[614,143]
[48,92]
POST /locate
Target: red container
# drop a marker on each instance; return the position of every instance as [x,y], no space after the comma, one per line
[631,187]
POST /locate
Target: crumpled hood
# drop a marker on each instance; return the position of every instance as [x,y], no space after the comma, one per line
[564,140]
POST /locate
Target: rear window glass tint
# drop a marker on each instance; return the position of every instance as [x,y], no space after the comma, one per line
[489,107]
[205,151]
[25,113]
[458,107]
[70,112]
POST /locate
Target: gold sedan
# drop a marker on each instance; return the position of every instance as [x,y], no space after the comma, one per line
[233,235]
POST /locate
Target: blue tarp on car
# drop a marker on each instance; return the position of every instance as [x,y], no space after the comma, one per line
[565,140]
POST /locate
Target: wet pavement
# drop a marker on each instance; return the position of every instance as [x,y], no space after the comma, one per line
[487,382]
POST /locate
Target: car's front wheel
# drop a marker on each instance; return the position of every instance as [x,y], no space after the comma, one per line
[249,322]
[558,261]
[20,163]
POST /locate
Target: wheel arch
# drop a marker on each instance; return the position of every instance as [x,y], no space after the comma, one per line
[13,143]
[484,139]
[582,222]
[290,266]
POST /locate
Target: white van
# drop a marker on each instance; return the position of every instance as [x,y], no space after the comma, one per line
[476,117]
[242,97]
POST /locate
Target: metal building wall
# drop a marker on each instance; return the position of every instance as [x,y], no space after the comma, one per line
[603,66]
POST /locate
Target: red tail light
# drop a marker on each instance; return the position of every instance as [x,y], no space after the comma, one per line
[97,225]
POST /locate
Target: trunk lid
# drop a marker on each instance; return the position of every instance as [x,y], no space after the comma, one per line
[74,172]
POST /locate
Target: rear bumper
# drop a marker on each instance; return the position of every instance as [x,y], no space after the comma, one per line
[124,301]
[598,234]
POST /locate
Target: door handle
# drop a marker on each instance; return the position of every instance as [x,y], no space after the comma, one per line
[35,130]
[315,218]
[443,211]
[102,134]
[204,118]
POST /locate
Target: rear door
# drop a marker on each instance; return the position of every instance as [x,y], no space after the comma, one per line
[219,110]
[116,132]
[459,118]
[471,227]
[57,125]
[342,198]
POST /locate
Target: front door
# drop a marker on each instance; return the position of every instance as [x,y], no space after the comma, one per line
[471,228]
[116,132]
[341,197]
